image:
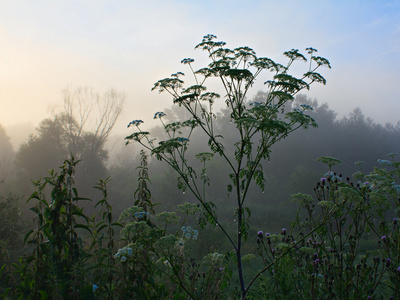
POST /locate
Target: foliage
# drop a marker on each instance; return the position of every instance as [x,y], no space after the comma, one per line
[75,256]
[81,130]
[259,125]
[158,257]
[332,250]
[6,156]
[12,226]
[342,244]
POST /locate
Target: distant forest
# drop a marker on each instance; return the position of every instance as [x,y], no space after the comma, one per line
[292,166]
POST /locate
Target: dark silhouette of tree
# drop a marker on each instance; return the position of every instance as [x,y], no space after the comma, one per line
[6,155]
[80,130]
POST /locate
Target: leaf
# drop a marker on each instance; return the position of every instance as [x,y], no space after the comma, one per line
[83,227]
[28,235]
[100,228]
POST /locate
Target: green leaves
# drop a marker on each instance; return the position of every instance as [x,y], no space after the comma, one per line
[258,125]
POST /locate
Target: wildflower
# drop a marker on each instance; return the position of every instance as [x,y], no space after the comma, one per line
[123,258]
[177,74]
[306,107]
[394,221]
[316,262]
[388,262]
[398,270]
[284,231]
[383,238]
[159,115]
[260,234]
[95,287]
[267,234]
[141,215]
[182,140]
[384,162]
[135,122]
[187,60]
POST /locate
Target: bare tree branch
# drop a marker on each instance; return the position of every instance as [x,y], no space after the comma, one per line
[87,112]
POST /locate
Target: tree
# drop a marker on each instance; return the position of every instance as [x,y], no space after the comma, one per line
[6,155]
[259,125]
[88,112]
[81,130]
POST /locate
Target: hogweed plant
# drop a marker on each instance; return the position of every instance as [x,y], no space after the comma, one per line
[258,125]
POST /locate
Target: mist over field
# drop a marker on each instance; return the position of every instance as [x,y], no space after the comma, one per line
[292,166]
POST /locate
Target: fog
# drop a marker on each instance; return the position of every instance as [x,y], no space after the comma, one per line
[128,46]
[292,168]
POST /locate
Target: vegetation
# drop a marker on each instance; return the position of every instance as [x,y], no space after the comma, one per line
[259,125]
[217,236]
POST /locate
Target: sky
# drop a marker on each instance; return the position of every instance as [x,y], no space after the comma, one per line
[47,46]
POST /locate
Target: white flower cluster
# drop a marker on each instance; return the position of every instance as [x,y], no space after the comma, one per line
[189,232]
[123,253]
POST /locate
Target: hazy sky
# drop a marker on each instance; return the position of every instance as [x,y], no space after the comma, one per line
[128,45]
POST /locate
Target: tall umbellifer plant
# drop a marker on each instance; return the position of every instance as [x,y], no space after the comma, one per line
[259,125]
